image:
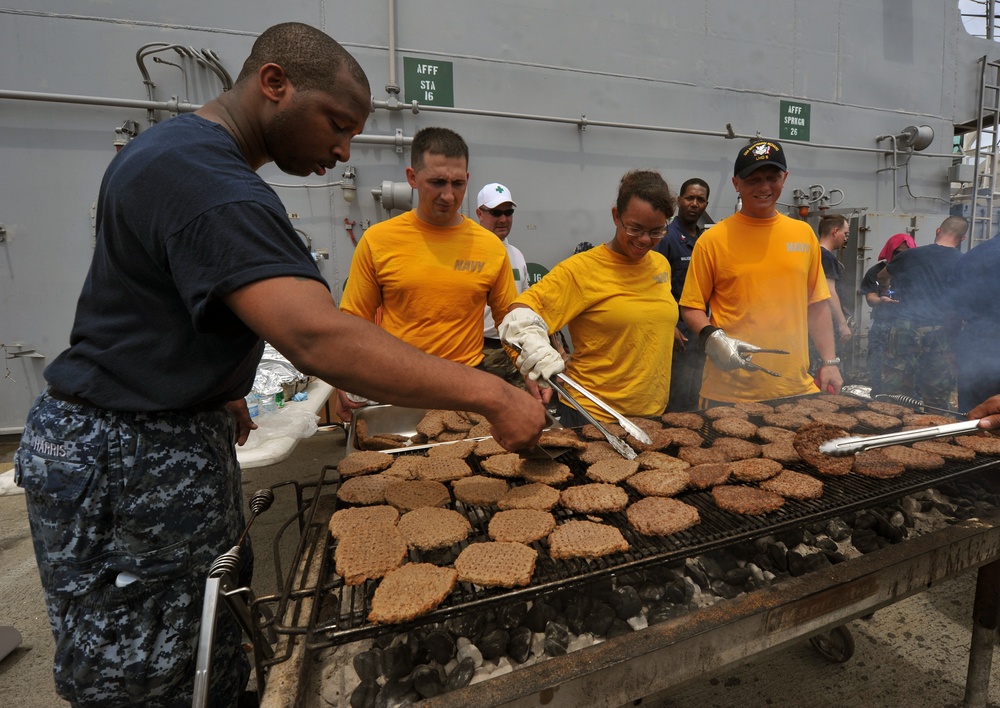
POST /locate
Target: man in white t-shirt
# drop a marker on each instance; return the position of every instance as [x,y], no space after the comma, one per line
[495,209]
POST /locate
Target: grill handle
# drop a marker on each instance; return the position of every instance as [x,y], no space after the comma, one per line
[850,445]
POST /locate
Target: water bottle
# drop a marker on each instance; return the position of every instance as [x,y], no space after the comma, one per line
[252,405]
[268,404]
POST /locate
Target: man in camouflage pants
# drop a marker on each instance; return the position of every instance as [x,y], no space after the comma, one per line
[135,495]
[919,358]
[128,460]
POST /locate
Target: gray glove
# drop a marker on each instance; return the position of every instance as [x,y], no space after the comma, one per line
[725,352]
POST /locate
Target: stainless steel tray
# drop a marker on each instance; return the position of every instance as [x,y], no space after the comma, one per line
[385,419]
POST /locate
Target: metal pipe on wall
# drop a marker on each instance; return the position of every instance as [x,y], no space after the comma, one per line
[175,106]
[583,122]
[393,85]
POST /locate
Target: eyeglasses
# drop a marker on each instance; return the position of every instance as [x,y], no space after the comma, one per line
[499,212]
[654,234]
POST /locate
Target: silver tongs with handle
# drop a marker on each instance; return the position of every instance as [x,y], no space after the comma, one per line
[619,445]
[850,445]
[729,353]
[631,428]
[753,366]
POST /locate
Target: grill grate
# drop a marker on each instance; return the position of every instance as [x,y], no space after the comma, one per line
[339,612]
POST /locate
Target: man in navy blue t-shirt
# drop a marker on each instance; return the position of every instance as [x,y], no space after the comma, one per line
[682,234]
[919,356]
[128,460]
[978,345]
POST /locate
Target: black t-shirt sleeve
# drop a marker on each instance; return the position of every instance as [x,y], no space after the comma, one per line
[228,247]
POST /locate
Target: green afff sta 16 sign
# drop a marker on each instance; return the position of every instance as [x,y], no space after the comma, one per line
[429,82]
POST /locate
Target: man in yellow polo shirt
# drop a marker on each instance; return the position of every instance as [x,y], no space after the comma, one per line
[432,270]
[760,275]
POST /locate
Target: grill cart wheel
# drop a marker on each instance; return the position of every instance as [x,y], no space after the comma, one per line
[836,646]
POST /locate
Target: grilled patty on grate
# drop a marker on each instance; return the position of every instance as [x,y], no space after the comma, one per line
[794,485]
[709,475]
[479,490]
[913,459]
[772,434]
[694,421]
[658,516]
[946,450]
[754,470]
[521,525]
[874,463]
[506,465]
[807,441]
[612,471]
[736,448]
[892,409]
[431,527]
[369,489]
[782,451]
[986,444]
[545,472]
[746,500]
[364,462]
[717,412]
[490,447]
[369,552]
[411,591]
[660,483]
[585,539]
[440,469]
[735,427]
[496,564]
[530,496]
[837,420]
[596,498]
[878,421]
[652,460]
[702,455]
[343,520]
[412,494]
[457,450]
[754,408]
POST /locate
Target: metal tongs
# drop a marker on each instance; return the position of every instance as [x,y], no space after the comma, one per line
[620,446]
[750,366]
[840,447]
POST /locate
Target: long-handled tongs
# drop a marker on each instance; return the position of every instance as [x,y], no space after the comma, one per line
[631,428]
[751,366]
[853,444]
[620,446]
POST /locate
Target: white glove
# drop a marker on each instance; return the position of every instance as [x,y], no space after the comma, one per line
[726,352]
[538,360]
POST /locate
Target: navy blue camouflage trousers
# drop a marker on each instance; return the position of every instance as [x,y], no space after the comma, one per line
[919,361]
[156,496]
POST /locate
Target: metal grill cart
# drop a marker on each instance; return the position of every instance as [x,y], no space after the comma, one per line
[316,614]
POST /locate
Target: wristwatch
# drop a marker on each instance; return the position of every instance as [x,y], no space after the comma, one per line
[832,362]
